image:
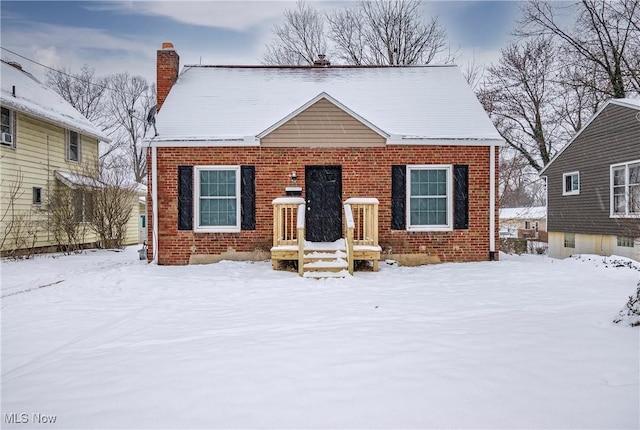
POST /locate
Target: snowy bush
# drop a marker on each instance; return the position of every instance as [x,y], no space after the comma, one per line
[630,314]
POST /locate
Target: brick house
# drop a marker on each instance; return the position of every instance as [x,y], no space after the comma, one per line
[262,161]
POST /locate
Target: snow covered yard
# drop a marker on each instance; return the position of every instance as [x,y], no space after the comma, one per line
[112,342]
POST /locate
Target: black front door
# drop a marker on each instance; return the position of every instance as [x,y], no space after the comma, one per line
[324,203]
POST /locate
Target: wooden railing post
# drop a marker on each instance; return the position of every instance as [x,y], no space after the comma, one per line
[350,224]
[300,225]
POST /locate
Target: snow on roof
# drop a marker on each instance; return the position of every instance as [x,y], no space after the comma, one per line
[35,99]
[631,102]
[533,212]
[227,102]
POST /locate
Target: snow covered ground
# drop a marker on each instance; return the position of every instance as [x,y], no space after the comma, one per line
[112,342]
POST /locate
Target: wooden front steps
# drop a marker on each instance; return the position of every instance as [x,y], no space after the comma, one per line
[325,260]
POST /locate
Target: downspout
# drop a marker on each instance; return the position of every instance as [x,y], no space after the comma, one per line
[154,198]
[492,203]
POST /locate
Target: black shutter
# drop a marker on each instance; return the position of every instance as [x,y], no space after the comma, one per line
[185,197]
[248,197]
[461,196]
[398,197]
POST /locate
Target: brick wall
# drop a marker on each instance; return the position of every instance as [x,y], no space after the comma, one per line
[366,172]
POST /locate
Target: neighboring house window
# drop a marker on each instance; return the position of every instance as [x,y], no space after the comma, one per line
[537,226]
[571,183]
[74,146]
[37,195]
[83,206]
[625,241]
[527,225]
[217,198]
[625,189]
[7,128]
[429,198]
[569,240]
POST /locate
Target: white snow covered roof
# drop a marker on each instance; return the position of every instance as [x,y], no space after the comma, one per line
[35,99]
[533,212]
[236,102]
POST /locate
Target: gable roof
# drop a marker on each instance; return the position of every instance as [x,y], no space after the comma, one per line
[626,102]
[35,99]
[236,102]
[532,212]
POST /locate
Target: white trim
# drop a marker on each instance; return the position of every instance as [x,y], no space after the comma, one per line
[204,142]
[196,201]
[443,141]
[612,214]
[154,198]
[619,102]
[492,199]
[564,183]
[449,197]
[330,99]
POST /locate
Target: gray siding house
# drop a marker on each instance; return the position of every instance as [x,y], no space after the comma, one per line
[593,186]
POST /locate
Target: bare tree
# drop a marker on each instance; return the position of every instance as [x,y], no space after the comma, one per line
[604,34]
[84,91]
[518,95]
[128,107]
[346,31]
[113,195]
[519,184]
[372,33]
[395,33]
[300,39]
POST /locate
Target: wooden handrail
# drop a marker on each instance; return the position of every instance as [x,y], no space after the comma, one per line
[285,220]
[365,219]
[350,224]
[300,224]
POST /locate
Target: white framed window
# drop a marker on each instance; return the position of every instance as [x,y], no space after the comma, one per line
[74,146]
[7,128]
[217,199]
[571,183]
[569,240]
[626,242]
[429,198]
[625,189]
[527,225]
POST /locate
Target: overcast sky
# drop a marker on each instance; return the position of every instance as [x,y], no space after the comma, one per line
[124,36]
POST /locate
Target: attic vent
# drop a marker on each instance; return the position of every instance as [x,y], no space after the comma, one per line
[321,61]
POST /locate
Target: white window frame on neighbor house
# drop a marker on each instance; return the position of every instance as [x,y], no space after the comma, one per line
[8,125]
[197,198]
[68,136]
[573,191]
[569,240]
[626,242]
[448,198]
[628,190]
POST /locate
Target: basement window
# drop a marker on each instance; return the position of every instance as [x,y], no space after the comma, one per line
[569,240]
[626,242]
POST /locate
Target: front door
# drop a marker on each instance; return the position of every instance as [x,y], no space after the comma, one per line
[324,203]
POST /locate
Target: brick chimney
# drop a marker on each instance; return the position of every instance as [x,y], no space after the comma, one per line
[167,69]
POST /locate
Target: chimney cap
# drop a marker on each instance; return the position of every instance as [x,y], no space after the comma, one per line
[167,45]
[321,61]
[15,64]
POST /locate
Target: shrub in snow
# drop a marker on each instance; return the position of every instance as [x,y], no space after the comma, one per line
[630,314]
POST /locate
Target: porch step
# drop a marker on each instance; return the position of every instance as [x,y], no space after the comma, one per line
[325,259]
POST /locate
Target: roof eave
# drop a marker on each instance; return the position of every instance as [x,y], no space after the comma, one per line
[85,131]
